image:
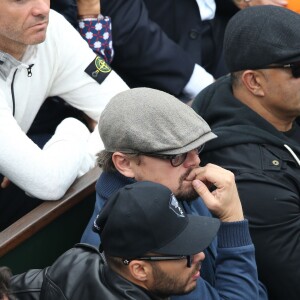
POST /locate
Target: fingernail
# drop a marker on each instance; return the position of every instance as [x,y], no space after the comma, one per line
[196,183]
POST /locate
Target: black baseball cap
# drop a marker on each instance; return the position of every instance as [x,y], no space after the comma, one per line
[146,217]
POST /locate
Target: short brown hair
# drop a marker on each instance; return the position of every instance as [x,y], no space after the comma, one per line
[104,160]
[115,263]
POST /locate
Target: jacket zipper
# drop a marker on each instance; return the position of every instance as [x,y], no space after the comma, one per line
[29,74]
[13,93]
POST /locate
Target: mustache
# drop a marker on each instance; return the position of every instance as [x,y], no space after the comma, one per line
[185,175]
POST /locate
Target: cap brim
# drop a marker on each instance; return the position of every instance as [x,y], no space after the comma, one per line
[191,146]
[196,237]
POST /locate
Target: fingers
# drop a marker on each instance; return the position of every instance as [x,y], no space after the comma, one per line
[224,201]
[212,174]
[268,2]
[202,189]
[88,7]
[241,4]
[205,194]
[5,182]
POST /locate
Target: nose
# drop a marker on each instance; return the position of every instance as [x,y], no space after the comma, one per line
[192,159]
[198,257]
[41,8]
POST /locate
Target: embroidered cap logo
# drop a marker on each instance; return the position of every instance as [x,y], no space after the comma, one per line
[174,205]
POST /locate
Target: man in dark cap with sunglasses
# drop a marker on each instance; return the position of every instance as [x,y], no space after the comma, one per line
[150,135]
[150,249]
[255,113]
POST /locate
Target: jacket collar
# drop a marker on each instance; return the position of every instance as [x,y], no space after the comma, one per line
[9,63]
[125,288]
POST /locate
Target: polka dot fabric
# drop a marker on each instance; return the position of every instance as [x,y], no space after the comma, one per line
[97,32]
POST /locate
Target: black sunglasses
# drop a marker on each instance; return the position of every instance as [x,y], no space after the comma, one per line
[189,259]
[295,68]
[175,160]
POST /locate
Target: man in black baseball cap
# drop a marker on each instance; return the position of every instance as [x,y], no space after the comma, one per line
[147,238]
[151,249]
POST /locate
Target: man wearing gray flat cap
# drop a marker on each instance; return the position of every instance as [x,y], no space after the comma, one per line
[150,135]
[255,113]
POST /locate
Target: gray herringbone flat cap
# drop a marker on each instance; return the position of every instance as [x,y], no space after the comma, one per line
[258,36]
[151,121]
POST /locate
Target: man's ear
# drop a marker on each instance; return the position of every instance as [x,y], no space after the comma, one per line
[123,164]
[253,81]
[140,270]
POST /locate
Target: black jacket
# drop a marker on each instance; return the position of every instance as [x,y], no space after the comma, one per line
[268,180]
[64,280]
[68,8]
[157,43]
